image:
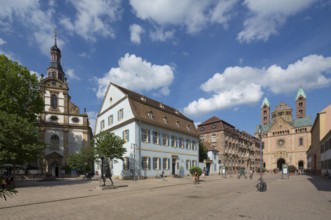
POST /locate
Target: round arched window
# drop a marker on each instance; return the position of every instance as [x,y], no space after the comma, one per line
[54,101]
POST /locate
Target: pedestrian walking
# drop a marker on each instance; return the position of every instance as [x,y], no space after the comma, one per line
[196,178]
[163,175]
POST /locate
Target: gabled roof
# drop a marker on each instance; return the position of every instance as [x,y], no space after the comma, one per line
[151,102]
[211,120]
[161,115]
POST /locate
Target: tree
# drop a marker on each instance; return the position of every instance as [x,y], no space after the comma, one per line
[19,90]
[109,146]
[83,160]
[19,139]
[203,152]
[20,105]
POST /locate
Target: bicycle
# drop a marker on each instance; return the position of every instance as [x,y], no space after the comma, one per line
[261,186]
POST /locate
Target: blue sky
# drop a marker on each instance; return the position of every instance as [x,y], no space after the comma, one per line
[205,58]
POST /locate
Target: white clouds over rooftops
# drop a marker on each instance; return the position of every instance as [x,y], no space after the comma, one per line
[137,74]
[267,16]
[245,85]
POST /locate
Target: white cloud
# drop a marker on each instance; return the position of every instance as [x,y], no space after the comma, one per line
[93,18]
[135,32]
[244,85]
[37,21]
[84,55]
[267,16]
[137,74]
[194,15]
[160,35]
[71,74]
[2,42]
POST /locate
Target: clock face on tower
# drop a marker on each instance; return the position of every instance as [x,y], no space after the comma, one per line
[281,142]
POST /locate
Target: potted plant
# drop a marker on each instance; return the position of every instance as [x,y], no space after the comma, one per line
[292,169]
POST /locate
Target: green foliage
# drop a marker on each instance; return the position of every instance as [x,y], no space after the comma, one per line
[203,152]
[20,105]
[6,189]
[19,139]
[195,169]
[292,168]
[109,146]
[83,160]
[19,90]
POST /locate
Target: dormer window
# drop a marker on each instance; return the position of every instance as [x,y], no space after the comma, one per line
[202,128]
[161,106]
[188,127]
[177,124]
[165,120]
[150,115]
[176,112]
[143,98]
[213,126]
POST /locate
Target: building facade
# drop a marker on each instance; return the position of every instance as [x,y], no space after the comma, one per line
[62,127]
[236,149]
[318,154]
[157,137]
[286,140]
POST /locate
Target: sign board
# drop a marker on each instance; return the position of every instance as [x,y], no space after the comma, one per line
[285,171]
[223,171]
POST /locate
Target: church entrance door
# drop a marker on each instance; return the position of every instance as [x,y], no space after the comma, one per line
[280,162]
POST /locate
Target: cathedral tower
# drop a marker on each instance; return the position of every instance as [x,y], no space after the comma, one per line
[300,104]
[265,112]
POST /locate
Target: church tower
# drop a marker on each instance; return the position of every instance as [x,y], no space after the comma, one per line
[265,112]
[55,69]
[300,103]
[63,129]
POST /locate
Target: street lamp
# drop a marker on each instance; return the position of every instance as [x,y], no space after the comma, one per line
[261,186]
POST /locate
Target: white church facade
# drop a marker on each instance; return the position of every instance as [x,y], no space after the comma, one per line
[157,137]
[63,128]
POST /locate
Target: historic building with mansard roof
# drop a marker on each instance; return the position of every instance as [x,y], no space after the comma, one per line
[157,137]
[236,149]
[63,127]
[286,139]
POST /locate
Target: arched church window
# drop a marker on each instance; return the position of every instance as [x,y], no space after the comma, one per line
[55,142]
[300,141]
[54,101]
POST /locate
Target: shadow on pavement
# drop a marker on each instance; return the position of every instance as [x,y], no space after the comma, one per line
[50,183]
[321,184]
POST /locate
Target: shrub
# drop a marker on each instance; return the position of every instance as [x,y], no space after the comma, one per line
[195,169]
[292,168]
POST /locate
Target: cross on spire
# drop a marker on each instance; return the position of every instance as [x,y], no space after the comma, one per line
[55,35]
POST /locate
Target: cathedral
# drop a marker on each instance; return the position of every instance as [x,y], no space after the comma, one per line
[63,128]
[286,139]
